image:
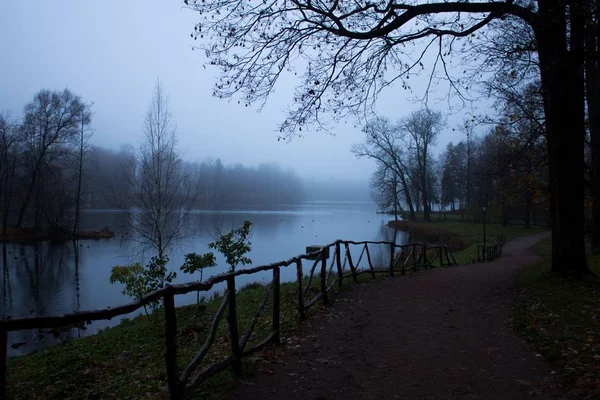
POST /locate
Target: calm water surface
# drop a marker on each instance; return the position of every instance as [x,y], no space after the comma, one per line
[53,279]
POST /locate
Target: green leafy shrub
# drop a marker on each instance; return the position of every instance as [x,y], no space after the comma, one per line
[234,246]
[139,281]
[197,263]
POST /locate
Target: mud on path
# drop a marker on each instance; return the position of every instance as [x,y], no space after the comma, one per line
[440,334]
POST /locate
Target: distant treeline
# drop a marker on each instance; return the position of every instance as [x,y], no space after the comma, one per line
[504,171]
[219,185]
[49,172]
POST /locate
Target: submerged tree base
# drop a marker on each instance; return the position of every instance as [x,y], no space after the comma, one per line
[55,235]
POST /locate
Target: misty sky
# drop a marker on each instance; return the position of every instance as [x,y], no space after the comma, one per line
[112,51]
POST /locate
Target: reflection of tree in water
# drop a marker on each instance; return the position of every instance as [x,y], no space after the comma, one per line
[77,286]
[380,254]
[6,287]
[44,280]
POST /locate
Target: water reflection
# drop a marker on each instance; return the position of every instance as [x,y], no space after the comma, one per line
[53,279]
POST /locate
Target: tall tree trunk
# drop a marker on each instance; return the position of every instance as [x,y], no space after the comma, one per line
[592,69]
[10,179]
[425,198]
[563,84]
[409,202]
[468,198]
[79,179]
[528,189]
[395,198]
[27,198]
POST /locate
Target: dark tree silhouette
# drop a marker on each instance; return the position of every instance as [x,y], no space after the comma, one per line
[352,50]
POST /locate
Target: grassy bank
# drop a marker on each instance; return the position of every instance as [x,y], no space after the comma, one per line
[127,361]
[560,318]
[470,234]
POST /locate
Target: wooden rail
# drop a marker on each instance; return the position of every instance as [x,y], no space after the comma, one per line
[490,252]
[182,383]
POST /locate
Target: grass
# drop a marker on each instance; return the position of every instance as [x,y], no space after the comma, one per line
[560,318]
[472,234]
[127,361]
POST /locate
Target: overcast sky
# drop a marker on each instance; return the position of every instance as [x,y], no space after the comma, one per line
[112,51]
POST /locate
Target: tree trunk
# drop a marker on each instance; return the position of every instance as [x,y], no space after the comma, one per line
[468,201]
[562,86]
[395,198]
[409,202]
[592,68]
[79,178]
[27,199]
[10,180]
[425,199]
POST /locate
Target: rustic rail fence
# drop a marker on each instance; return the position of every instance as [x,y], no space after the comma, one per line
[182,383]
[491,252]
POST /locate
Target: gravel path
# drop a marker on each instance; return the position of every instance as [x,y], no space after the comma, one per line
[440,334]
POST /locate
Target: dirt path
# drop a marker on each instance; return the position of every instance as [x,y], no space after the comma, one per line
[442,334]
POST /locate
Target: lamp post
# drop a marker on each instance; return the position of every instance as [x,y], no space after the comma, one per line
[484,209]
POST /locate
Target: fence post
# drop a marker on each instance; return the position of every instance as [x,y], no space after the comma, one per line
[300,278]
[323,276]
[171,339]
[350,263]
[338,261]
[233,328]
[441,254]
[392,251]
[369,260]
[276,313]
[403,259]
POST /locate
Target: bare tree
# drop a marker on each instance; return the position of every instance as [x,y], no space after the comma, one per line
[384,143]
[8,164]
[592,89]
[385,190]
[423,127]
[159,191]
[51,120]
[354,50]
[83,136]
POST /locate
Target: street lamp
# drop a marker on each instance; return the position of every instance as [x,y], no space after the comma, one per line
[484,209]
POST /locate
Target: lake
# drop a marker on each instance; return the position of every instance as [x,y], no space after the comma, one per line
[53,279]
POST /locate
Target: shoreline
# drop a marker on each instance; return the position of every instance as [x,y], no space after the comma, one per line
[430,234]
[32,235]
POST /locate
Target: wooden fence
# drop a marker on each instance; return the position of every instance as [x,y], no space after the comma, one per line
[182,383]
[491,252]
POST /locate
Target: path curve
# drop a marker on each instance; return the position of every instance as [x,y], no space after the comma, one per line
[441,334]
